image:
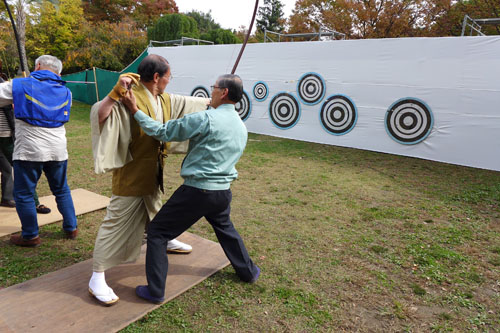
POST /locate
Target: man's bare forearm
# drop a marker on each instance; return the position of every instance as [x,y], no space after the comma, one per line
[105,109]
[123,84]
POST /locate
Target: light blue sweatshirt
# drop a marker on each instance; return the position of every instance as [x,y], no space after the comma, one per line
[217,138]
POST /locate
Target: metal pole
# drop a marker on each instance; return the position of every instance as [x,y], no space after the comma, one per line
[95,82]
[464,23]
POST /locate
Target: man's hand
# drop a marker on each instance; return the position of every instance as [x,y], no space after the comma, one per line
[129,101]
[124,84]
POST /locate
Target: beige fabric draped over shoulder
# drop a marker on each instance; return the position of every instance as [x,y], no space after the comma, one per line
[110,140]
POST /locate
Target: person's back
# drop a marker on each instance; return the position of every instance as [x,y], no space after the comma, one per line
[41,106]
[41,144]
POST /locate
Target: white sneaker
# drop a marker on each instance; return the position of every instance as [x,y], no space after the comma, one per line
[174,246]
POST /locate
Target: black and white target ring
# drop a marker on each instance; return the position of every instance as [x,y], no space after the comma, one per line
[409,121]
[338,115]
[243,107]
[311,88]
[284,110]
[200,91]
[260,91]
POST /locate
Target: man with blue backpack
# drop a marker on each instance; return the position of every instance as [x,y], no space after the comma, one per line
[42,105]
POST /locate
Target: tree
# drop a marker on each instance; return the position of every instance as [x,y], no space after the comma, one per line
[270,16]
[204,21]
[20,6]
[107,45]
[144,12]
[221,36]
[367,18]
[54,30]
[450,23]
[8,49]
[241,34]
[106,10]
[21,32]
[391,18]
[172,27]
[64,32]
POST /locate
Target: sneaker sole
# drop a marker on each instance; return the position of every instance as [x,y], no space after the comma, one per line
[179,251]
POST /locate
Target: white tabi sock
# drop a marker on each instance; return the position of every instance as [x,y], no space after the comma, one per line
[100,288]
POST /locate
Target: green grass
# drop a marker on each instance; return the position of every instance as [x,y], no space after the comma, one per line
[348,240]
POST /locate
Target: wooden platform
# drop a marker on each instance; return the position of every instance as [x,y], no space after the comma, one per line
[60,302]
[84,201]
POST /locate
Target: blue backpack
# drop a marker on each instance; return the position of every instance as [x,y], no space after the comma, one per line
[42,99]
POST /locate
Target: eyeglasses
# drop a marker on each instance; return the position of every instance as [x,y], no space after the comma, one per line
[213,87]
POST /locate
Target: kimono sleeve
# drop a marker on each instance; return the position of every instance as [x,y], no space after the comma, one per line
[181,106]
[110,140]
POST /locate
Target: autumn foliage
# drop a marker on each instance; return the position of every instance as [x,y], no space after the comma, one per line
[102,33]
[389,18]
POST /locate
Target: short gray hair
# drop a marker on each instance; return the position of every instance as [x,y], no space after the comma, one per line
[234,86]
[50,62]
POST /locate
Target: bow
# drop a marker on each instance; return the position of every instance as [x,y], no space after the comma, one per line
[17,38]
[246,38]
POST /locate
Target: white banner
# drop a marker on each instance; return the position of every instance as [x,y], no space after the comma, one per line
[432,98]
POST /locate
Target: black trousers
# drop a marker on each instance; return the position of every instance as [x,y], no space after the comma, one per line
[184,208]
[6,148]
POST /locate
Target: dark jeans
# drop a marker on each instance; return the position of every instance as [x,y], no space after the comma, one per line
[26,175]
[184,208]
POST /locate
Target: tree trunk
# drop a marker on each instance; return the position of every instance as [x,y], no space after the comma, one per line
[21,30]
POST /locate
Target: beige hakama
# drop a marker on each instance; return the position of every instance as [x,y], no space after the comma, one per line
[120,236]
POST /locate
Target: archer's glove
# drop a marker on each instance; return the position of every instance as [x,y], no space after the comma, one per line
[119,90]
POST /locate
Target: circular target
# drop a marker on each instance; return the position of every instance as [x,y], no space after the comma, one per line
[338,115]
[409,121]
[243,107]
[311,88]
[284,110]
[200,91]
[260,91]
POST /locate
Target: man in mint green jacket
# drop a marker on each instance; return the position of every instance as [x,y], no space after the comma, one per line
[217,138]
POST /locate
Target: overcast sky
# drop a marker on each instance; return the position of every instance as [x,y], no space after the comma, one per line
[230,14]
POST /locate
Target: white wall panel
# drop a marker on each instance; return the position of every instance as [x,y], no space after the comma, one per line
[457,79]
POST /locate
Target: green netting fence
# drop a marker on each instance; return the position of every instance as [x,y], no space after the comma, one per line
[92,85]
